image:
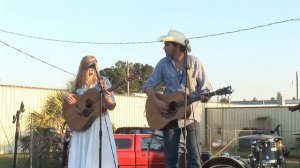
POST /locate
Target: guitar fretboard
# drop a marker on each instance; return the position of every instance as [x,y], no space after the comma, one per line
[114,87]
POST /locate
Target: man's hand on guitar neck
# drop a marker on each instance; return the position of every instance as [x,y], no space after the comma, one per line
[204,96]
[70,98]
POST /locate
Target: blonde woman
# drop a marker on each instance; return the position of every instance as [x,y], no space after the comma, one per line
[84,148]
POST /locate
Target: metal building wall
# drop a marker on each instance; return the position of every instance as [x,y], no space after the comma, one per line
[129,112]
[10,101]
[221,120]
[224,122]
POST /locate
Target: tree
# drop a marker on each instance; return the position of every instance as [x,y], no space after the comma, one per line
[44,126]
[119,72]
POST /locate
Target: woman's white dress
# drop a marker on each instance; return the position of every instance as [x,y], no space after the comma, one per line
[84,148]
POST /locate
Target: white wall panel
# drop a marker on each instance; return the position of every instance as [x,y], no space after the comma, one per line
[222,119]
[10,101]
[236,118]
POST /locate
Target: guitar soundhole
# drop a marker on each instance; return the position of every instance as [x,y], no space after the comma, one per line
[89,103]
[88,110]
[172,107]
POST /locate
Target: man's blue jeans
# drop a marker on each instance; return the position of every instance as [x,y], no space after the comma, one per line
[171,145]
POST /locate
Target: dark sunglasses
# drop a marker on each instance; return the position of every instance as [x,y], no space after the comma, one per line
[91,65]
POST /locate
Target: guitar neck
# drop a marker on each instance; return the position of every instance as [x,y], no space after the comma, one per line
[198,98]
[114,87]
[129,78]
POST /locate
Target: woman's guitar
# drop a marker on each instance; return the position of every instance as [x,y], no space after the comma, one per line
[81,116]
[158,120]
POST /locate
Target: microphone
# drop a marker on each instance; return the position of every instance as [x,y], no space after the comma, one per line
[187,45]
[91,65]
[102,73]
[186,41]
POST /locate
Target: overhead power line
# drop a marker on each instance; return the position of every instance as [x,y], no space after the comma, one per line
[37,58]
[246,29]
[143,42]
[69,41]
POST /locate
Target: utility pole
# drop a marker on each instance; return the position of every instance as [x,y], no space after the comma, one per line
[297,85]
[127,75]
[31,139]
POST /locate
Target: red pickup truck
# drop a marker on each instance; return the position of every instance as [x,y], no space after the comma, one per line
[139,150]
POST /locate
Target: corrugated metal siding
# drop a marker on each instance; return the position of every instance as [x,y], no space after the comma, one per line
[130,112]
[237,118]
[10,101]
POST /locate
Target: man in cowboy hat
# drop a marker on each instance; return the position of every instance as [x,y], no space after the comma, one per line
[171,71]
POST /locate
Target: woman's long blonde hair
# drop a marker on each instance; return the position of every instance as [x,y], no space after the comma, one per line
[82,77]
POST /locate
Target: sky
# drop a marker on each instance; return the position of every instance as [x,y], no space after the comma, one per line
[257,62]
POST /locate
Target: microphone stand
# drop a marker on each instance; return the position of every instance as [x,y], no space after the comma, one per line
[100,114]
[148,151]
[16,120]
[186,68]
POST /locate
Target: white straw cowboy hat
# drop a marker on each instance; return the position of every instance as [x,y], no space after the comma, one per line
[177,37]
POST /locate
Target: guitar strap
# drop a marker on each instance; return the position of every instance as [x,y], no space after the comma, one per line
[190,73]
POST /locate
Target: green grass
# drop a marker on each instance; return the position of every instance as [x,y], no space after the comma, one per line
[6,161]
[293,163]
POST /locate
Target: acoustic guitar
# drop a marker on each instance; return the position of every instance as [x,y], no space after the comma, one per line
[158,120]
[80,116]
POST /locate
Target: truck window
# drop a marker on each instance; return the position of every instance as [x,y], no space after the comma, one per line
[123,143]
[154,144]
[134,130]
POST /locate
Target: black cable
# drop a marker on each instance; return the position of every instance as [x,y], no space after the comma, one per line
[246,29]
[145,42]
[86,42]
[37,58]
[70,41]
[195,132]
[112,151]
